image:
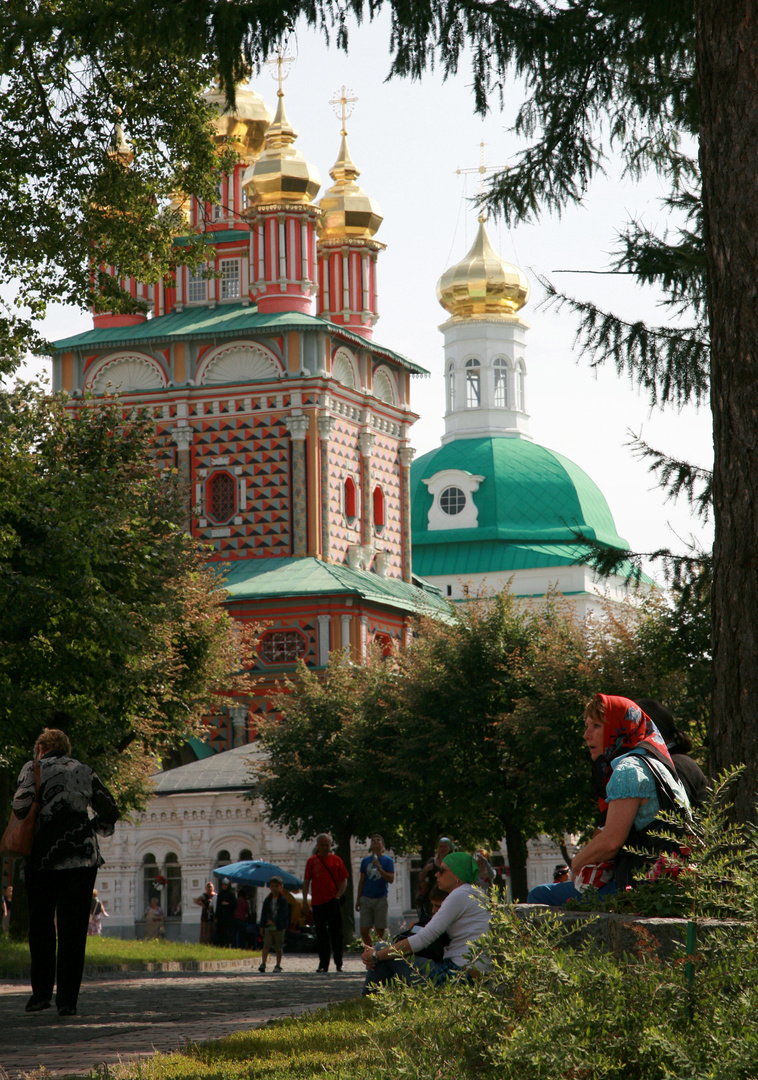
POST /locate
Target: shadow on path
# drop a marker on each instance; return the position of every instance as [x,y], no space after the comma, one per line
[125,1018]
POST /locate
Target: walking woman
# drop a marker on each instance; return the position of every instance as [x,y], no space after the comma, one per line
[61,870]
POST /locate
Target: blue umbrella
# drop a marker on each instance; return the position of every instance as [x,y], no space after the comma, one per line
[256,872]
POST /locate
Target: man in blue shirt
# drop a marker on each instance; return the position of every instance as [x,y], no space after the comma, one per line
[376,875]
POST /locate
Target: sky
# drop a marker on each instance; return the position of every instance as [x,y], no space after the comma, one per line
[410,139]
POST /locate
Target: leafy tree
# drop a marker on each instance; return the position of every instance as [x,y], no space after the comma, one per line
[474,730]
[111,622]
[644,81]
[316,777]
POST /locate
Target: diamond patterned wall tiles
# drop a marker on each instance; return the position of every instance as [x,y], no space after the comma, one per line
[385,470]
[344,461]
[257,449]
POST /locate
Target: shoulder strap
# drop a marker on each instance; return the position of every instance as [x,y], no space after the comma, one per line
[331,875]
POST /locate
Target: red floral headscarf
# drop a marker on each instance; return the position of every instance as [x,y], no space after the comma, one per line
[627,728]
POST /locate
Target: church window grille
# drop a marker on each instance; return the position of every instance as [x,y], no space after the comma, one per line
[230,278]
[473,385]
[452,500]
[282,646]
[501,383]
[197,286]
[221,497]
[378,508]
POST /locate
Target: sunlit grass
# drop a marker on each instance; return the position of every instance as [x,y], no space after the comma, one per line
[332,1043]
[108,951]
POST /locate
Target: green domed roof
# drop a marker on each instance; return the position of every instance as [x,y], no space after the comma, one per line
[530,497]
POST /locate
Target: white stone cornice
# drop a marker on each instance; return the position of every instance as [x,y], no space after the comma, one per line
[366,440]
[406,455]
[325,426]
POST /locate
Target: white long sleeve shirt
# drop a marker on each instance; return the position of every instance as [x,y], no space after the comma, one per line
[463,916]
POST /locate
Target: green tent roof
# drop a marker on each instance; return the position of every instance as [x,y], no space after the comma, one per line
[263,579]
[220,321]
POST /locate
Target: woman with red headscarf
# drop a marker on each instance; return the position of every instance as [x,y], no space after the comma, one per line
[636,778]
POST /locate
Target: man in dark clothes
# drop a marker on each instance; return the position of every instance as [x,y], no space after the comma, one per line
[679,746]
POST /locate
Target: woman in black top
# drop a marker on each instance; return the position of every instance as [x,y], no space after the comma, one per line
[61,870]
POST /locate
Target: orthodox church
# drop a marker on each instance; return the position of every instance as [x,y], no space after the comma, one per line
[491,506]
[291,428]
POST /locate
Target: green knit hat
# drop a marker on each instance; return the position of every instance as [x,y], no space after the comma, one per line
[463,866]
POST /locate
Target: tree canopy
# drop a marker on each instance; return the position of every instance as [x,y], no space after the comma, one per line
[111,617]
[474,730]
[643,80]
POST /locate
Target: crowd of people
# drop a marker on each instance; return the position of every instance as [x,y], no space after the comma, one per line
[641,766]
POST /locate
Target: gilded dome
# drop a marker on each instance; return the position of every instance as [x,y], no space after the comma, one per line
[281,174]
[244,127]
[346,209]
[482,283]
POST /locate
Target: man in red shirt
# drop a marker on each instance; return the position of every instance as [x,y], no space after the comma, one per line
[326,876]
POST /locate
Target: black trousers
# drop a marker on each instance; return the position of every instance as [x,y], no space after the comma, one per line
[61,897]
[327,919]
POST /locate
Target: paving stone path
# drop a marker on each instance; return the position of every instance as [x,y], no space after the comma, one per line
[125,1017]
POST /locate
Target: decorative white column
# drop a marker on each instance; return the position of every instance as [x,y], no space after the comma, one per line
[323,638]
[297,425]
[345,621]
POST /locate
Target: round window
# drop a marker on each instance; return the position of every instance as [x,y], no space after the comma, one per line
[452,500]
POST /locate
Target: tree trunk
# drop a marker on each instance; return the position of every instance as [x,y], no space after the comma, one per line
[342,842]
[727,61]
[516,861]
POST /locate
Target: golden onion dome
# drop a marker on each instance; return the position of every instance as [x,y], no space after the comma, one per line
[244,127]
[482,283]
[346,209]
[281,174]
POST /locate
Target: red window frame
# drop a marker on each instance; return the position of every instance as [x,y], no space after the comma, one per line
[351,498]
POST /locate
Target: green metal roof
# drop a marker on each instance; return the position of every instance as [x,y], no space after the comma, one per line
[265,579]
[222,321]
[492,556]
[530,495]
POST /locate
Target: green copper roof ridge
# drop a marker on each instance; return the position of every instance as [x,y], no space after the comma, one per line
[267,323]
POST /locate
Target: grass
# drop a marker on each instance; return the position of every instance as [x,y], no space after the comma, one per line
[108,951]
[332,1043]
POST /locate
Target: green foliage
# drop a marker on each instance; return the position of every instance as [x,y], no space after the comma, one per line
[111,614]
[474,729]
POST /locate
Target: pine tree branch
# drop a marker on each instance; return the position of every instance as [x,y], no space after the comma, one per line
[677,477]
[670,364]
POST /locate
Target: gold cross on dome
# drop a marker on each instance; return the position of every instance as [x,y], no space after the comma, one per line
[343,101]
[282,64]
[483,169]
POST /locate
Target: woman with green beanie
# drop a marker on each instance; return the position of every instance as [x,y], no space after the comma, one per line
[463,916]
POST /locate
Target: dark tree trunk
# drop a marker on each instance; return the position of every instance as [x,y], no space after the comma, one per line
[727,59]
[516,844]
[342,848]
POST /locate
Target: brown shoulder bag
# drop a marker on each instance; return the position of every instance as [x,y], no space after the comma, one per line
[18,838]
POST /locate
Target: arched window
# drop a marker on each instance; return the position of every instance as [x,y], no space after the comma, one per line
[351,499]
[501,383]
[151,880]
[221,497]
[385,643]
[378,508]
[173,875]
[223,858]
[451,386]
[520,381]
[244,855]
[473,385]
